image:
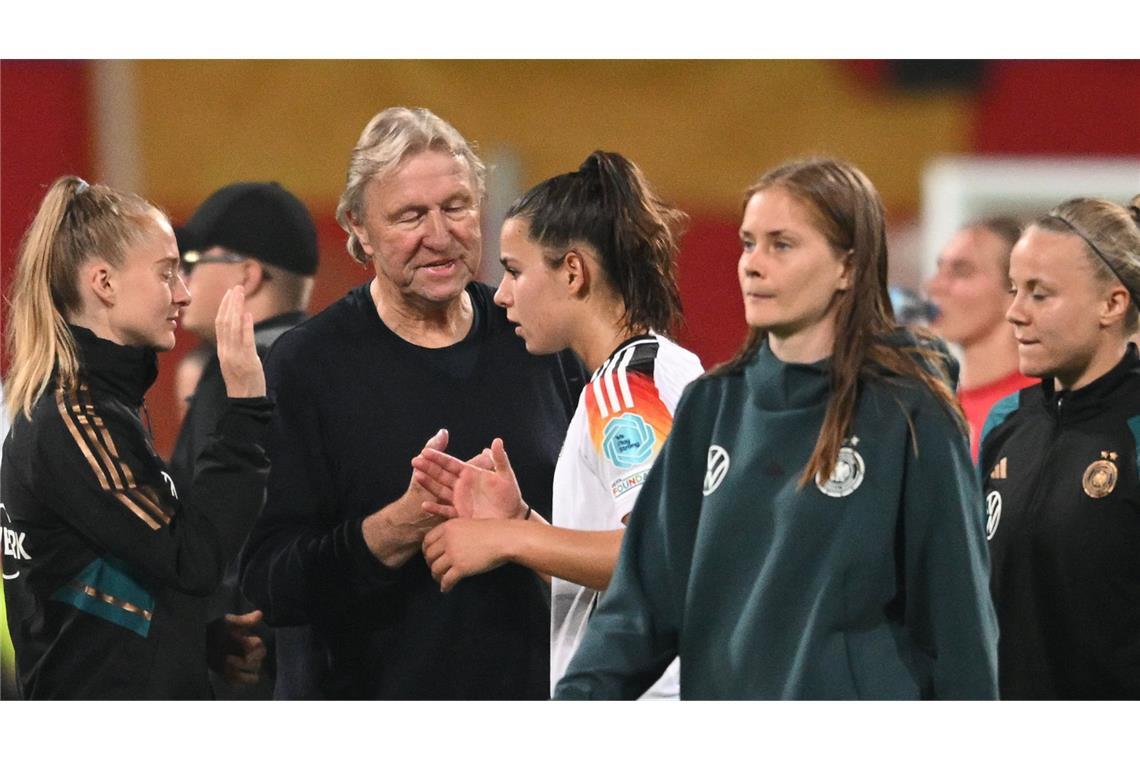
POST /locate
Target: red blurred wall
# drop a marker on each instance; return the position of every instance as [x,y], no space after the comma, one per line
[50,137]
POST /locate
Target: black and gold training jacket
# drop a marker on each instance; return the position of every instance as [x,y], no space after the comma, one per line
[1059,474]
[105,569]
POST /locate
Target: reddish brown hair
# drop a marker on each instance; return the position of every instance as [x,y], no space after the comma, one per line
[845,207]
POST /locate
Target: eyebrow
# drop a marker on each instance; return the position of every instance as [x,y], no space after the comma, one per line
[769,234]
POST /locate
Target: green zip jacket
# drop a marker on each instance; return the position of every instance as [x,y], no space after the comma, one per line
[872,585]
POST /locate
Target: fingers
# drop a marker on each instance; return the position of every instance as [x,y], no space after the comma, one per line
[220,325]
[441,510]
[449,579]
[432,486]
[433,478]
[238,671]
[228,321]
[247,330]
[431,545]
[439,566]
[253,649]
[445,462]
[245,667]
[237,351]
[438,560]
[482,460]
[246,620]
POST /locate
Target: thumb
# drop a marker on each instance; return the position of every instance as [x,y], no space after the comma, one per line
[438,441]
[246,620]
[500,458]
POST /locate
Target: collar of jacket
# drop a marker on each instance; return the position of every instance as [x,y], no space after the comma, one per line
[1071,406]
[781,386]
[126,372]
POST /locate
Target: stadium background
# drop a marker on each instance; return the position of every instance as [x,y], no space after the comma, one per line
[174,131]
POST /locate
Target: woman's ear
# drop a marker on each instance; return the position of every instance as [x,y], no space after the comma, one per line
[576,270]
[847,276]
[1114,307]
[98,278]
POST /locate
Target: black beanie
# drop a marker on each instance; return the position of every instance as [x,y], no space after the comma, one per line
[261,220]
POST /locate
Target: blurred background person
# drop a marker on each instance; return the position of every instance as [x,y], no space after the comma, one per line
[970,293]
[1059,461]
[260,236]
[188,374]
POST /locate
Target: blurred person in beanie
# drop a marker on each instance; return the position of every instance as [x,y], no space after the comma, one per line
[419,353]
[970,289]
[258,235]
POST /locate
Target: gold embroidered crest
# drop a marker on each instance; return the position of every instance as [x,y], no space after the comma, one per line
[1100,476]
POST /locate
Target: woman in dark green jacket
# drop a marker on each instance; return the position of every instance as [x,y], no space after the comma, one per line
[813,527]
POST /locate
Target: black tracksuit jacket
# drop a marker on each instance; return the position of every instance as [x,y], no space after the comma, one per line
[105,569]
[1059,472]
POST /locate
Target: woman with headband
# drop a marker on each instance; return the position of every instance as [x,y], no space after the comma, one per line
[105,569]
[812,528]
[1059,461]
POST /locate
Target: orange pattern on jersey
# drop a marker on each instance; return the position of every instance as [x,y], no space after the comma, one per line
[647,404]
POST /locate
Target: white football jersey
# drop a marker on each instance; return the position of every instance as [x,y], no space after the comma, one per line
[622,419]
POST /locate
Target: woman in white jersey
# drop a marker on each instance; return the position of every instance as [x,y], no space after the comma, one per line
[590,265]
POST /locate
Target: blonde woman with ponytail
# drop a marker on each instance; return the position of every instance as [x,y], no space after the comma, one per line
[812,528]
[104,567]
[1059,461]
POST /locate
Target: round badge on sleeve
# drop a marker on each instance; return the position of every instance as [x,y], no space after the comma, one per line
[847,476]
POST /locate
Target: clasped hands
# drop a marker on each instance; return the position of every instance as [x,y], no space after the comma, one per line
[478,501]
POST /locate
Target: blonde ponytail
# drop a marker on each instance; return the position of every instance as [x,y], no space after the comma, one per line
[75,222]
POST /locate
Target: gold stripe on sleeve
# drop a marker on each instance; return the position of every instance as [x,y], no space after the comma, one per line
[95,593]
[81,410]
[139,511]
[108,441]
[146,496]
[79,441]
[142,505]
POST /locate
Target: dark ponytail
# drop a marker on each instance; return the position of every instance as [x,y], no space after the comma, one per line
[608,204]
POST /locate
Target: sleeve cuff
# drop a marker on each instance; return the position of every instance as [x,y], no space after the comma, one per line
[246,419]
[367,565]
